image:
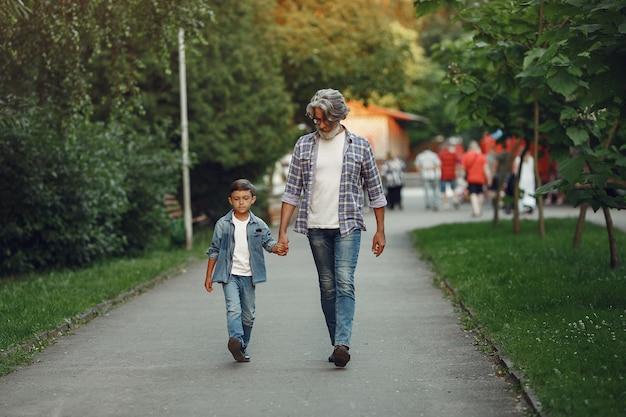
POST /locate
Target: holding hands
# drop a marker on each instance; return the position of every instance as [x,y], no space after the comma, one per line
[280,249]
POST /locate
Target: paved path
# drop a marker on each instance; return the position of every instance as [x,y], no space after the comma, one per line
[164,353]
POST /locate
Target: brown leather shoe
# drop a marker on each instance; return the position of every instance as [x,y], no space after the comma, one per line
[341,356]
[234,346]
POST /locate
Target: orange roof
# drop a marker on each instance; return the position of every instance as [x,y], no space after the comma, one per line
[358,109]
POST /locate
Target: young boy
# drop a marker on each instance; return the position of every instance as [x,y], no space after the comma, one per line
[236,261]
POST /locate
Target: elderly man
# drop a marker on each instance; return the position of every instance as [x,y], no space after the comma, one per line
[330,169]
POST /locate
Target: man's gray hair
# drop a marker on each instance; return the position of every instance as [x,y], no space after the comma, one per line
[332,104]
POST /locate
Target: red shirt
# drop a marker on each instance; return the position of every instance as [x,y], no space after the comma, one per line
[474,165]
[448,165]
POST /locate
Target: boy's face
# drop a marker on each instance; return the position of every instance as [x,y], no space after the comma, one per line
[241,200]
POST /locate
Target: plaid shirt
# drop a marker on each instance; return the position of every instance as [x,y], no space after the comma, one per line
[359,172]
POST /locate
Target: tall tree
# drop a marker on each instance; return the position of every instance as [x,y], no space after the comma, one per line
[239,110]
[347,45]
[74,54]
[570,62]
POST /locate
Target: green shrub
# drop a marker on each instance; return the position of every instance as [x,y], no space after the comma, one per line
[75,194]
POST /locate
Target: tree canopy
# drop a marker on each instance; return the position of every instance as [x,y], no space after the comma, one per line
[552,70]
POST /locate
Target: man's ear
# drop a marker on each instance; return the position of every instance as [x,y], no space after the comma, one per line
[253,199]
[230,201]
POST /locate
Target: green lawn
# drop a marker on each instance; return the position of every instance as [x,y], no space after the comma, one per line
[556,311]
[38,303]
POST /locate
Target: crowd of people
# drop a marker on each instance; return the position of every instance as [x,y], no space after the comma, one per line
[486,170]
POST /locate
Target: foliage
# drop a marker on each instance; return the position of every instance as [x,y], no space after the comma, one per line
[347,45]
[554,310]
[583,62]
[82,54]
[71,199]
[421,94]
[568,52]
[239,110]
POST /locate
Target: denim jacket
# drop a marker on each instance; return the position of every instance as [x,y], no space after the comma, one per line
[223,246]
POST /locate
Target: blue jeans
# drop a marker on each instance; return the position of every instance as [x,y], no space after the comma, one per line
[335,259]
[239,295]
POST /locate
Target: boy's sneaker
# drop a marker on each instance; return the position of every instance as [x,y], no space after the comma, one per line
[234,346]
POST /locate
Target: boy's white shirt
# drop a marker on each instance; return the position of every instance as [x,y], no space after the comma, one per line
[241,253]
[324,207]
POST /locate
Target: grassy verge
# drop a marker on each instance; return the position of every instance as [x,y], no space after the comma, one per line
[558,312]
[39,303]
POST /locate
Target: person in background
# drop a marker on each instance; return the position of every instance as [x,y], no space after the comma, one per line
[392,172]
[500,175]
[429,166]
[477,174]
[449,167]
[330,170]
[527,202]
[236,261]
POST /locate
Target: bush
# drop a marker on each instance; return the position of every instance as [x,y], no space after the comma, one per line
[77,194]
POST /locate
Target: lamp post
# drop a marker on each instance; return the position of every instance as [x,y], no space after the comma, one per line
[185,141]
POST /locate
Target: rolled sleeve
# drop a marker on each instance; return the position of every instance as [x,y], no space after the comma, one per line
[292,199]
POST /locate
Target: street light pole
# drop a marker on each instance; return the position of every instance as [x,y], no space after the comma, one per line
[185,141]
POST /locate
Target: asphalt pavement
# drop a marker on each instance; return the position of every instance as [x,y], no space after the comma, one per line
[164,352]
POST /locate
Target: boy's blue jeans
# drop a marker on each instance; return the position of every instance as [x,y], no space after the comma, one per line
[336,258]
[240,313]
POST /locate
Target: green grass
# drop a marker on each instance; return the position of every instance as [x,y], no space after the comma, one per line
[558,312]
[38,303]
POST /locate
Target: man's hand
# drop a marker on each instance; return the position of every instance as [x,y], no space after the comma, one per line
[283,243]
[378,244]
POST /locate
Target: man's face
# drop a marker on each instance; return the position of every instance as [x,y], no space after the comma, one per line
[323,126]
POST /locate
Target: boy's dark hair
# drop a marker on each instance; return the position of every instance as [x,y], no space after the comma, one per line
[242,185]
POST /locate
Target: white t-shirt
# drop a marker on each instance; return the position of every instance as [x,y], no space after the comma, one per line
[241,254]
[324,207]
[429,165]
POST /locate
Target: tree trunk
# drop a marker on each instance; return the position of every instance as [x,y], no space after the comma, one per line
[516,225]
[496,204]
[611,234]
[578,234]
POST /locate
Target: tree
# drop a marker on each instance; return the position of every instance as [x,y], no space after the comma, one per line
[239,109]
[82,54]
[582,60]
[347,45]
[80,180]
[570,63]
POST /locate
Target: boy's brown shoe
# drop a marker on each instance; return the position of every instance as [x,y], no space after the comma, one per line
[234,346]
